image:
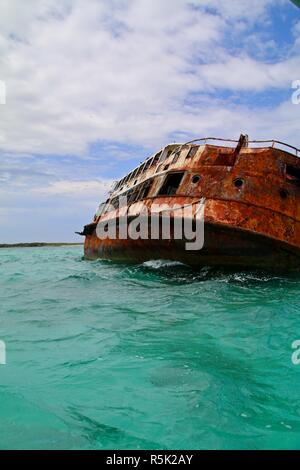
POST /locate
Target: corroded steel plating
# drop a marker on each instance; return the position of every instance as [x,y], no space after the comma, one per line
[252,212]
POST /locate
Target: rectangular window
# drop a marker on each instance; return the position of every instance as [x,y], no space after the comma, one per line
[171,184]
[135,172]
[145,190]
[133,196]
[138,171]
[115,202]
[176,157]
[155,159]
[192,152]
[165,154]
[147,165]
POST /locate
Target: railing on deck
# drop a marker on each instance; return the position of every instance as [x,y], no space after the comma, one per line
[164,154]
[273,142]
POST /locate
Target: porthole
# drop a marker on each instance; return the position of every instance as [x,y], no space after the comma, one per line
[283,193]
[238,183]
[195,179]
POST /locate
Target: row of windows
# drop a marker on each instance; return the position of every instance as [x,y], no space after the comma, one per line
[173,181]
[136,194]
[138,171]
[169,188]
[152,162]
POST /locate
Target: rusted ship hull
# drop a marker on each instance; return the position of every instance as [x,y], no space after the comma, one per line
[224,246]
[252,211]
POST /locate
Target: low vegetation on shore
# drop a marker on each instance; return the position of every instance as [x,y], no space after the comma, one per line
[36,244]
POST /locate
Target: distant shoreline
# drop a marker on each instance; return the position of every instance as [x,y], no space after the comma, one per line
[36,245]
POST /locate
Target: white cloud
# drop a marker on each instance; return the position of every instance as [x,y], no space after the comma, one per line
[80,71]
[87,188]
[244,73]
[241,9]
[128,72]
[37,209]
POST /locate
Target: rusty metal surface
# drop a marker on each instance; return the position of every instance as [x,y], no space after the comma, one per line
[256,224]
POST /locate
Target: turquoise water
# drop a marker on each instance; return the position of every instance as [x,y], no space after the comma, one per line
[156,356]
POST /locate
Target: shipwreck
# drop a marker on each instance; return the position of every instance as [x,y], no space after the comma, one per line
[251,216]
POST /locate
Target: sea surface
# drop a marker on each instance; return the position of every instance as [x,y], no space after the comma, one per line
[155,356]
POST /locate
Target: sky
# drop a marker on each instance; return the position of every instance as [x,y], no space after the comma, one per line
[93,87]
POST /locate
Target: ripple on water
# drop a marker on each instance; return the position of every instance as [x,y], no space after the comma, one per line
[156,355]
